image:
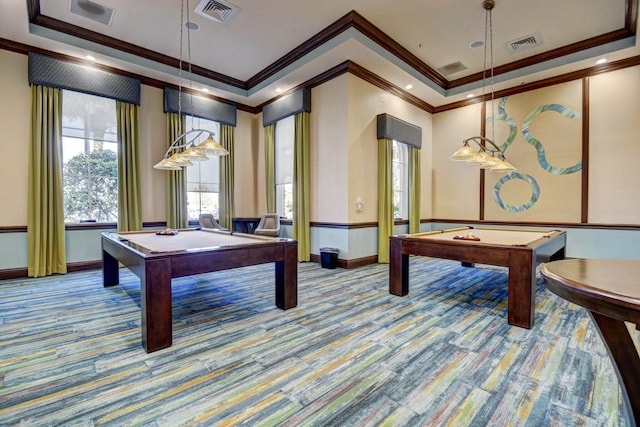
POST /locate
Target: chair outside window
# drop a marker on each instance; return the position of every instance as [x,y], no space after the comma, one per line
[208,221]
[269,225]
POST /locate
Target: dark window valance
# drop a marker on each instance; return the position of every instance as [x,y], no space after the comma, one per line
[286,106]
[47,71]
[392,128]
[198,106]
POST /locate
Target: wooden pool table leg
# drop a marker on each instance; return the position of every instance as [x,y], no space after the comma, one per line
[110,272]
[155,304]
[398,269]
[625,358]
[287,278]
[522,289]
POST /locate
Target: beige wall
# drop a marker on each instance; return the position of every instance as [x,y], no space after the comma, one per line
[153,143]
[366,101]
[614,147]
[15,96]
[614,162]
[329,155]
[344,154]
[456,185]
[248,162]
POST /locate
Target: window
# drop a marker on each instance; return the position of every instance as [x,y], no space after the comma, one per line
[203,178]
[400,176]
[285,131]
[90,158]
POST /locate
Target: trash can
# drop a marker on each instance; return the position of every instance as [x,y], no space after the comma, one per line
[329,257]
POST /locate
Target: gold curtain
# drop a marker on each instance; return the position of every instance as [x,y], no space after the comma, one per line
[176,180]
[385,198]
[129,195]
[270,166]
[225,200]
[301,181]
[45,210]
[414,189]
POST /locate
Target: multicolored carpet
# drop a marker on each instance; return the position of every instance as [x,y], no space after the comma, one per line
[350,354]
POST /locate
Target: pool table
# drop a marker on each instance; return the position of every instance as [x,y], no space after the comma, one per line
[519,250]
[157,258]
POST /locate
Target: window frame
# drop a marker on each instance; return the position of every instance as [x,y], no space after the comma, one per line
[284,152]
[400,184]
[193,122]
[78,138]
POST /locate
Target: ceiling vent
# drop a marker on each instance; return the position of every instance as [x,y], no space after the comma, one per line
[91,10]
[454,67]
[524,43]
[217,10]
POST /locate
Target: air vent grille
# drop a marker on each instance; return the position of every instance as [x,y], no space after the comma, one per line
[217,10]
[454,67]
[91,10]
[524,43]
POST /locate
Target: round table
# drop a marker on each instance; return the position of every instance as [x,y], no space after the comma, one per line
[610,291]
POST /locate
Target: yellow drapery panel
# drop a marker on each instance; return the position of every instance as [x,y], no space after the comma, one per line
[301,184]
[414,189]
[225,199]
[385,198]
[270,165]
[129,195]
[176,180]
[45,211]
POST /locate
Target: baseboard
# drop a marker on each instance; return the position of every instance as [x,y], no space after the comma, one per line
[349,263]
[22,273]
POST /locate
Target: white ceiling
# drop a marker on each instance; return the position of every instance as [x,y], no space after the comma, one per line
[435,32]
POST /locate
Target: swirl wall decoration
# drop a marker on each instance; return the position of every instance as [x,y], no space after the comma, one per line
[541,153]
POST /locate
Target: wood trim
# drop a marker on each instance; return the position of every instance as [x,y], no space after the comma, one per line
[603,39]
[13,273]
[349,263]
[101,39]
[584,210]
[378,81]
[356,21]
[303,49]
[587,226]
[371,224]
[25,49]
[22,273]
[33,9]
[562,78]
[13,229]
[630,22]
[328,75]
[351,20]
[349,66]
[390,45]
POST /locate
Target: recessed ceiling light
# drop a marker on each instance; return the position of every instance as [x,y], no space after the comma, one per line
[205,90]
[469,95]
[90,57]
[278,89]
[601,61]
[476,44]
[409,86]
